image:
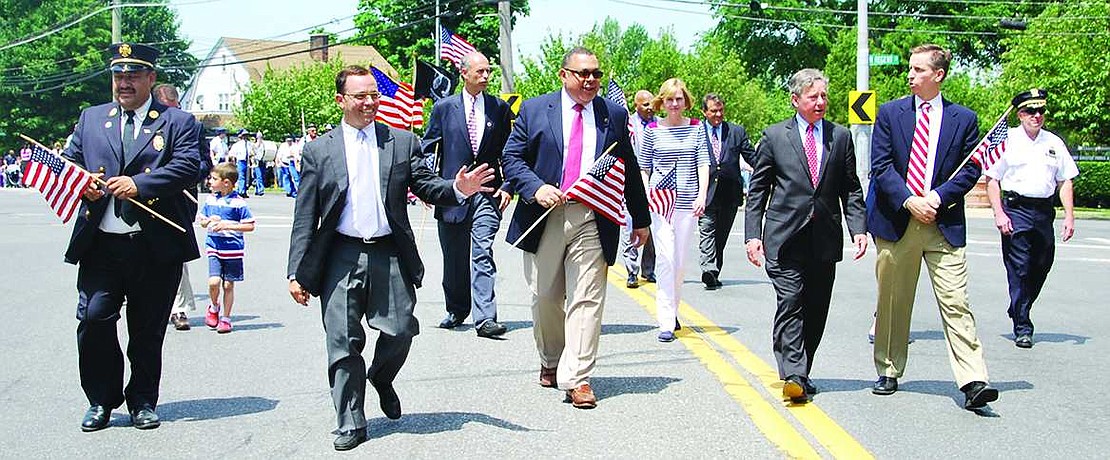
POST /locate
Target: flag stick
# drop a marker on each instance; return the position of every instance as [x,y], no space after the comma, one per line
[1003,117]
[435,166]
[537,222]
[102,182]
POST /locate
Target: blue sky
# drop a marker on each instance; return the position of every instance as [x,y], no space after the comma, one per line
[284,19]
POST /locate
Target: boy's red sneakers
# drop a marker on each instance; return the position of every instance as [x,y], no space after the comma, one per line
[212,317]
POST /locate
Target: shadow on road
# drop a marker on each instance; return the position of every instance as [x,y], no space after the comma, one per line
[437,422]
[1054,337]
[608,387]
[726,282]
[214,408]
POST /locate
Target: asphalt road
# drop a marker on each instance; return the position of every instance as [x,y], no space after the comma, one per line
[262,390]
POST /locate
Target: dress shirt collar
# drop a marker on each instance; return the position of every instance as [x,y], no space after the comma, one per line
[350,132]
[935,103]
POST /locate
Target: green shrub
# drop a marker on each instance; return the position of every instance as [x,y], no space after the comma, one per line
[1092,187]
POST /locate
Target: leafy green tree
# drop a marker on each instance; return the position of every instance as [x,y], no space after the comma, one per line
[45,83]
[274,103]
[400,30]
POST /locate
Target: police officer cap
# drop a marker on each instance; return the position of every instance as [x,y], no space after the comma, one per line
[132,57]
[221,130]
[289,137]
[311,126]
[242,132]
[1031,99]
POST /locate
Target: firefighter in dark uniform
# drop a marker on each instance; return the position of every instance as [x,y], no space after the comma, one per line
[1022,186]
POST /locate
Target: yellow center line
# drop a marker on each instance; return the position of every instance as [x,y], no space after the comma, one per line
[827,432]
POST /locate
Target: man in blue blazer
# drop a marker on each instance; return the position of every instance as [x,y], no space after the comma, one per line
[555,141]
[466,130]
[915,211]
[148,152]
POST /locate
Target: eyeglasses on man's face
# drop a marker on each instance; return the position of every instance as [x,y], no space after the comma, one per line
[363,96]
[586,73]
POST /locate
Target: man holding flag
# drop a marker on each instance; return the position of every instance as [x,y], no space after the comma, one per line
[556,139]
[1021,187]
[148,152]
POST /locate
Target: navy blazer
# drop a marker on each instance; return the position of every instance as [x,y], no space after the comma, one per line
[164,162]
[782,199]
[734,146]
[890,156]
[534,157]
[323,192]
[448,138]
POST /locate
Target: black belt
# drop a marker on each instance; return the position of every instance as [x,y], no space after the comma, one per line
[366,241]
[1015,198]
[121,236]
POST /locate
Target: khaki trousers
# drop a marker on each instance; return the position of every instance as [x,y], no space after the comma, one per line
[567,277]
[897,271]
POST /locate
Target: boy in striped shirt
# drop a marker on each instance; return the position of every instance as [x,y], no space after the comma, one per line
[226,216]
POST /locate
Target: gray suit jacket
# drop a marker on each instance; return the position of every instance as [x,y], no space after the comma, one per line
[323,192]
[782,199]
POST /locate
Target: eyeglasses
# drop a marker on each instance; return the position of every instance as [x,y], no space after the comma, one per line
[1033,111]
[362,96]
[586,73]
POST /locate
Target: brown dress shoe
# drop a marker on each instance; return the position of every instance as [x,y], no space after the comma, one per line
[582,397]
[547,377]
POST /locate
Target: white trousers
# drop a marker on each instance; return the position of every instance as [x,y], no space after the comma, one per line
[671,247]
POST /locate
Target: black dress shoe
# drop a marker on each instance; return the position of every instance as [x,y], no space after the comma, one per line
[145,418]
[978,394]
[451,321]
[491,329]
[710,281]
[794,389]
[1024,341]
[811,389]
[387,400]
[96,418]
[350,440]
[885,386]
[650,278]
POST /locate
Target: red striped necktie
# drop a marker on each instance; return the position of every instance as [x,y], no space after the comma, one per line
[919,153]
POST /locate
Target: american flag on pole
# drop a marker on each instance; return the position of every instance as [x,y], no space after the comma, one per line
[992,147]
[602,189]
[663,196]
[398,107]
[60,182]
[452,47]
[614,93]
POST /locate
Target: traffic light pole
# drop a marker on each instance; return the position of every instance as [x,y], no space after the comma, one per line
[861,134]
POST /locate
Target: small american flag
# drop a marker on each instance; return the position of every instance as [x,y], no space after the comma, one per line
[992,147]
[614,92]
[398,107]
[663,196]
[602,189]
[61,182]
[452,47]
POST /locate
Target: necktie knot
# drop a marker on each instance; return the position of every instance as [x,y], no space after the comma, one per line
[926,106]
[579,108]
[809,129]
[130,114]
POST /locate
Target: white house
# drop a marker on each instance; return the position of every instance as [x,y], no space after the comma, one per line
[228,70]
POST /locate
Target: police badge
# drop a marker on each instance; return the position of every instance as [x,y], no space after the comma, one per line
[159,141]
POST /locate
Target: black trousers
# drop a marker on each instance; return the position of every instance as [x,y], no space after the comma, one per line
[715,225]
[1028,253]
[123,267]
[803,288]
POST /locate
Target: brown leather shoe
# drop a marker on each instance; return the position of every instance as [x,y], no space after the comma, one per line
[582,397]
[180,322]
[547,377]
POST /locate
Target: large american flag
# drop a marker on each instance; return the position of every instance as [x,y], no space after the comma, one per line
[397,107]
[992,147]
[602,189]
[452,47]
[663,196]
[61,182]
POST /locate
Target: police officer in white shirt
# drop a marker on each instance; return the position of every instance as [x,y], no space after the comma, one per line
[1022,185]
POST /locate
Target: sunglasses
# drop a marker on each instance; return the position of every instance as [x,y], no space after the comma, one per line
[1036,111]
[586,73]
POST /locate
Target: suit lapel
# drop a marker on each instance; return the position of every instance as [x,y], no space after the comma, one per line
[338,162]
[601,120]
[489,103]
[795,139]
[386,150]
[827,137]
[908,120]
[948,123]
[113,134]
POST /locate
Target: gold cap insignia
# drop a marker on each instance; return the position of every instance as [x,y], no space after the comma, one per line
[153,114]
[1035,92]
[125,50]
[159,142]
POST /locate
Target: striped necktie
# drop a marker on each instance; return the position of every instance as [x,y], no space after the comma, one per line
[919,153]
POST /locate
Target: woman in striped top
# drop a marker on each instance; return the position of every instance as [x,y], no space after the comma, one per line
[674,160]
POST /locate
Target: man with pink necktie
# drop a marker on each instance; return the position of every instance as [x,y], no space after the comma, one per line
[915,211]
[556,139]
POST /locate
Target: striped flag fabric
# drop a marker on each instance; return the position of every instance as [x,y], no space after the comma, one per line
[452,47]
[397,107]
[663,196]
[992,147]
[61,182]
[614,93]
[602,188]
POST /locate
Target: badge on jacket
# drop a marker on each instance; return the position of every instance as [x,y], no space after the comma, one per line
[159,142]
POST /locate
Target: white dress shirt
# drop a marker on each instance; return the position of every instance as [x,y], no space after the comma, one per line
[363,214]
[110,223]
[589,132]
[479,104]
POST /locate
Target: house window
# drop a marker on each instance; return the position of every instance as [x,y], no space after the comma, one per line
[200,102]
[225,102]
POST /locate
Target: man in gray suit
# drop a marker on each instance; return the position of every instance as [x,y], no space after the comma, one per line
[804,179]
[353,246]
[729,150]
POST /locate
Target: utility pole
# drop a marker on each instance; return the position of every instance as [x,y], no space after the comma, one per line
[436,35]
[506,44]
[117,13]
[862,133]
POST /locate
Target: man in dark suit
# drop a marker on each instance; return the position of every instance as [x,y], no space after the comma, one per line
[915,211]
[353,246]
[147,152]
[729,147]
[466,130]
[804,181]
[555,141]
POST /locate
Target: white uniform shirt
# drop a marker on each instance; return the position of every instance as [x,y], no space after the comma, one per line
[1033,167]
[217,148]
[241,150]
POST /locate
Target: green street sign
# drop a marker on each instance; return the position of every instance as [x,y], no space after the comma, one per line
[876,60]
